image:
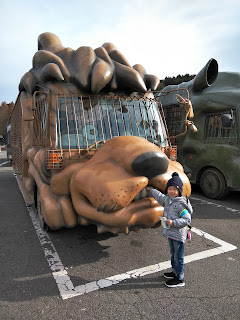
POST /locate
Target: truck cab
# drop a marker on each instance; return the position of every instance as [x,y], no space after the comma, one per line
[210,157]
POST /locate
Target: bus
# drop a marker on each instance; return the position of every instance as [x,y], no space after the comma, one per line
[88,137]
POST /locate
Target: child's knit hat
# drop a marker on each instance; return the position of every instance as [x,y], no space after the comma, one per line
[175,181]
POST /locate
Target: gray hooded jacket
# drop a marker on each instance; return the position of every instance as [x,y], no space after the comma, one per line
[178,210]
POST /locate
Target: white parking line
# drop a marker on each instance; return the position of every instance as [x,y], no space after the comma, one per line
[64,282]
[215,204]
[65,285]
[3,163]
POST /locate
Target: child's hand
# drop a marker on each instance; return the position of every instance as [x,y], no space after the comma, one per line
[169,222]
[149,188]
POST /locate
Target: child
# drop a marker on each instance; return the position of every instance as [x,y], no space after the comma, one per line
[177,211]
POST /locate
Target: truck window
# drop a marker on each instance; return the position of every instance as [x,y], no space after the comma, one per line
[214,132]
[82,122]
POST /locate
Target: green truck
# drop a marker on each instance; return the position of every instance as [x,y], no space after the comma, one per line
[211,156]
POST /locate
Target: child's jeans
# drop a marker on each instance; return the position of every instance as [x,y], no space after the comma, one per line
[177,257]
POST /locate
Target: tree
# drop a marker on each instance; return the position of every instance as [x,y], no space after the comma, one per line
[178,79]
[5,112]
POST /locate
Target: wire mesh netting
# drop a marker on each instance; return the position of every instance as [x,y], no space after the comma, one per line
[82,122]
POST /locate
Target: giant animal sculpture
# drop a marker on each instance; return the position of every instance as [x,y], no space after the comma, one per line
[107,189]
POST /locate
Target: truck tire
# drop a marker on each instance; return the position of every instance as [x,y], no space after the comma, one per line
[42,223]
[213,184]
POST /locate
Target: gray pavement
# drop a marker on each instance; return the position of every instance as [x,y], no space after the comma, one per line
[28,289]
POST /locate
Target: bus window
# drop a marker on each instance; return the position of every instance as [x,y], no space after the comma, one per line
[82,122]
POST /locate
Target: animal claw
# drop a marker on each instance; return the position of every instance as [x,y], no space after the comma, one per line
[113,207]
[104,208]
[51,71]
[101,75]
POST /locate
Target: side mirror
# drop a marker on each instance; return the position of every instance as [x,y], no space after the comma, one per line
[27,110]
[227,120]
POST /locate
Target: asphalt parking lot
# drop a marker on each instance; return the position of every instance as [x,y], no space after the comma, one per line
[76,273]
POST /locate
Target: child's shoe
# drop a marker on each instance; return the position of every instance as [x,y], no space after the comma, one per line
[169,275]
[175,282]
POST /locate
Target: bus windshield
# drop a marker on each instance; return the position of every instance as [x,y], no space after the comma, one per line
[82,122]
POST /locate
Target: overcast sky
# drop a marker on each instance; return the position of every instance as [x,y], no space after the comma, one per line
[168,37]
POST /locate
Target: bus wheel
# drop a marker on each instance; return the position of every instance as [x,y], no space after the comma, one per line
[213,184]
[42,223]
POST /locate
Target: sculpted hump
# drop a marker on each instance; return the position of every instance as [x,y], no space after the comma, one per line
[103,69]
